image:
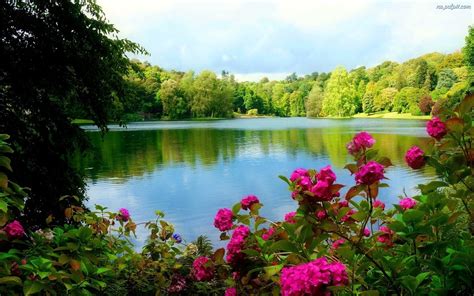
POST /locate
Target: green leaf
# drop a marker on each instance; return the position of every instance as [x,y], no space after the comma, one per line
[102,270]
[272,270]
[32,287]
[421,277]
[5,162]
[236,208]
[413,216]
[409,282]
[3,206]
[285,179]
[284,245]
[10,280]
[432,186]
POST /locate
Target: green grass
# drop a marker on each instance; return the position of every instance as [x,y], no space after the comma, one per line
[393,115]
[82,121]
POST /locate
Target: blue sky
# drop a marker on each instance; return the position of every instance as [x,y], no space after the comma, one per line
[252,39]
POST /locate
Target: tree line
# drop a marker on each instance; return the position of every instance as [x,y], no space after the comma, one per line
[415,86]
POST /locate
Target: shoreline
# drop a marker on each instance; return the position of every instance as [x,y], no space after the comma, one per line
[389,115]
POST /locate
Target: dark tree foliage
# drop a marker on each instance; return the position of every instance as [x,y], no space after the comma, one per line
[425,104]
[60,60]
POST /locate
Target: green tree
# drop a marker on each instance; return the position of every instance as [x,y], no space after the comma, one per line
[339,95]
[314,103]
[384,100]
[446,79]
[297,107]
[407,100]
[369,97]
[61,59]
[174,102]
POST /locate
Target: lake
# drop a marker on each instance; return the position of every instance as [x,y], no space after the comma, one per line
[190,169]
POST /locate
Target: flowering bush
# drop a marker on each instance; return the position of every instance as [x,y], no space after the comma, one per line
[338,240]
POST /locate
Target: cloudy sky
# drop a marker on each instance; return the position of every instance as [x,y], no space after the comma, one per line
[275,37]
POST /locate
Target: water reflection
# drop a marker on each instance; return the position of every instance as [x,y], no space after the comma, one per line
[189,170]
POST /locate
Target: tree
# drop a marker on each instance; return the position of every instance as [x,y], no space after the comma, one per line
[297,103]
[426,104]
[369,97]
[314,103]
[339,96]
[468,52]
[61,59]
[446,79]
[173,100]
[406,101]
[384,100]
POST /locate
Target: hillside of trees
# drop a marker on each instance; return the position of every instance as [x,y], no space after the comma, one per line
[415,86]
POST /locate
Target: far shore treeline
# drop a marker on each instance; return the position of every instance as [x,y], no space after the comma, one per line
[415,86]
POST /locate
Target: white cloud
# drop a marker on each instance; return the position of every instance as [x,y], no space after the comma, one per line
[283,36]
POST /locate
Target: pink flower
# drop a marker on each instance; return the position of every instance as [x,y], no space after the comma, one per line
[123,215]
[223,219]
[370,173]
[321,215]
[386,236]
[436,128]
[14,230]
[379,204]
[407,203]
[343,203]
[230,292]
[336,244]
[248,201]
[267,234]
[347,216]
[415,157]
[178,284]
[312,278]
[236,244]
[366,232]
[203,269]
[298,173]
[322,191]
[290,217]
[327,175]
[362,140]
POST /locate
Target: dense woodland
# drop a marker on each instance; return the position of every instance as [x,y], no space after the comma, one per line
[414,86]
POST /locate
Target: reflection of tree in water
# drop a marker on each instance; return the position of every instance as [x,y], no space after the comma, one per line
[134,153]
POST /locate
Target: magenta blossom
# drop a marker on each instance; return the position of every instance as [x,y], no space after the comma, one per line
[321,215]
[343,203]
[379,204]
[123,215]
[336,244]
[298,174]
[312,278]
[14,230]
[267,234]
[178,284]
[236,244]
[327,175]
[203,269]
[290,217]
[386,236]
[366,232]
[223,219]
[407,203]
[230,292]
[248,201]
[361,141]
[436,128]
[370,173]
[415,157]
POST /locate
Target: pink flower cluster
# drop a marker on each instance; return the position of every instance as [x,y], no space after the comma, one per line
[178,284]
[123,215]
[415,157]
[203,269]
[321,215]
[14,230]
[336,244]
[230,292]
[290,217]
[436,128]
[267,234]
[248,201]
[370,173]
[386,236]
[320,188]
[407,203]
[379,204]
[223,219]
[312,278]
[361,141]
[236,244]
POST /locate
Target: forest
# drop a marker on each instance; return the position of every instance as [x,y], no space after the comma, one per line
[415,86]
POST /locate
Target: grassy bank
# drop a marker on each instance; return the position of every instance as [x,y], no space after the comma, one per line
[393,115]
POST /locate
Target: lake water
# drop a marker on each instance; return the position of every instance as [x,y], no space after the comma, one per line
[191,169]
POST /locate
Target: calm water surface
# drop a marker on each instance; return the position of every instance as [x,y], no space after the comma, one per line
[191,169]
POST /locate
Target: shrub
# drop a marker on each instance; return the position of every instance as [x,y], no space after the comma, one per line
[425,104]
